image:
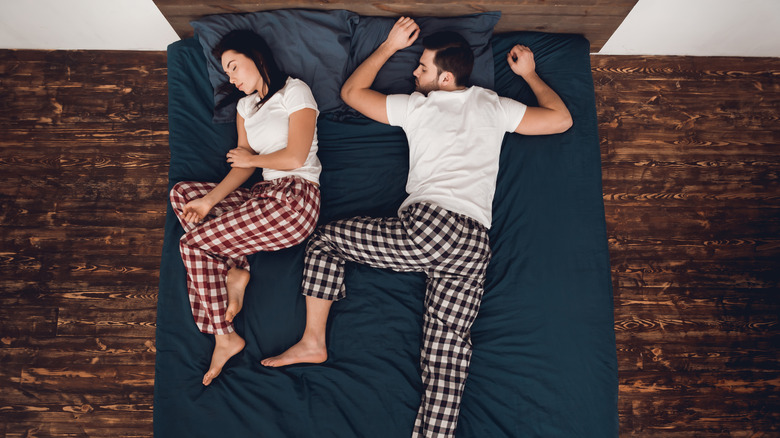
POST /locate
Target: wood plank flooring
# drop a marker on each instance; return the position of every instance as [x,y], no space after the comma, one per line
[690,161]
[691,155]
[83,156]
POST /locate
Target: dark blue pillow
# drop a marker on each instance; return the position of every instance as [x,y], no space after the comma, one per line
[310,45]
[396,75]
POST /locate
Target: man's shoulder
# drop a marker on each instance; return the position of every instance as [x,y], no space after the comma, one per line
[477,90]
[405,100]
[486,96]
[470,92]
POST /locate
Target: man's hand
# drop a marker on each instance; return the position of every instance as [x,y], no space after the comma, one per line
[357,92]
[195,210]
[404,32]
[240,157]
[521,60]
[551,116]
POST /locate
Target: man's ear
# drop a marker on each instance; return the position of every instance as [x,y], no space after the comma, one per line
[446,78]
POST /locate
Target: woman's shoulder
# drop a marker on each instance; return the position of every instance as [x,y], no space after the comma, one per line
[248,99]
[246,104]
[296,84]
[295,90]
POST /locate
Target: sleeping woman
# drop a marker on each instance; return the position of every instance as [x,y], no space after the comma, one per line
[224,223]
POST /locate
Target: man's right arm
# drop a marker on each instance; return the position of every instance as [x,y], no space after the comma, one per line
[357,91]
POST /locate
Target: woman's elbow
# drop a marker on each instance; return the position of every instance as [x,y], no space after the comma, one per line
[295,162]
[299,163]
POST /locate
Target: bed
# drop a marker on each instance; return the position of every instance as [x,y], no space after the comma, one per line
[544,360]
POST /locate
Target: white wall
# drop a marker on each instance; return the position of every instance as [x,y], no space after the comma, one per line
[83,24]
[654,27]
[699,28]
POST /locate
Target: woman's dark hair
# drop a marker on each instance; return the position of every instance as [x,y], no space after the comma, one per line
[254,47]
[453,54]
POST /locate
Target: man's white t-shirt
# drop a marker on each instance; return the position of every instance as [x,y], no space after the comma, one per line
[454,145]
[267,127]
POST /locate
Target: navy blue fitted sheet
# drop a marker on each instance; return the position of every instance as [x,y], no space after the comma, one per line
[544,361]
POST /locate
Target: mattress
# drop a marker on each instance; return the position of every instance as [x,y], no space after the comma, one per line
[544,360]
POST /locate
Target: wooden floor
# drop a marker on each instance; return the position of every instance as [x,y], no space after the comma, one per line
[691,163]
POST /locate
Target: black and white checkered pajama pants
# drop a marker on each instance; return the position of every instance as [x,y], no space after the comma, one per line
[454,251]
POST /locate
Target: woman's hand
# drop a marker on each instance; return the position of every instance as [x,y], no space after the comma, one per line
[195,210]
[521,60]
[241,157]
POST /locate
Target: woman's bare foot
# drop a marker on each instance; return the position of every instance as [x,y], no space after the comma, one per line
[237,279]
[305,351]
[226,347]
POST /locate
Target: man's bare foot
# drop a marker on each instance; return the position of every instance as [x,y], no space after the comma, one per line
[226,347]
[303,352]
[237,279]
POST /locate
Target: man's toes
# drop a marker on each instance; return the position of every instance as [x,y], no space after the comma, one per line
[210,376]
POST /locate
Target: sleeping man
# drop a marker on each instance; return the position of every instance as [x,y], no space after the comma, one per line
[455,134]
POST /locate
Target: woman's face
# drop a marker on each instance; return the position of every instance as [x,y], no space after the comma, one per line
[242,72]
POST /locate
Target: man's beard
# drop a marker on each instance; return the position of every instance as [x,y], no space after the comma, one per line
[426,88]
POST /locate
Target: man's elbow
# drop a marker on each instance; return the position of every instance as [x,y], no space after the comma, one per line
[346,94]
[567,123]
[564,123]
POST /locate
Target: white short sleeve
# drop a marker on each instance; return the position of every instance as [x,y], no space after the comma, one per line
[397,109]
[513,113]
[297,96]
[244,104]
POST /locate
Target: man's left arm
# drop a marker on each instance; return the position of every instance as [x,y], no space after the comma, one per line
[357,92]
[551,116]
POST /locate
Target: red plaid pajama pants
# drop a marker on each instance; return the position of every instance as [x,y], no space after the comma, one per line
[271,216]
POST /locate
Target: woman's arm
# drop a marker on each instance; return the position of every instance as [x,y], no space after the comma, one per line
[195,210]
[299,139]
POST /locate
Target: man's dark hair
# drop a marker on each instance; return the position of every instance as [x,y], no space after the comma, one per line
[453,54]
[254,47]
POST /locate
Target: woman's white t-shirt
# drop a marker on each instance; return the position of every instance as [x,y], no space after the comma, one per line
[267,127]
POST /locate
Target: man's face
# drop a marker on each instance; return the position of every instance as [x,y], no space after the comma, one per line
[426,77]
